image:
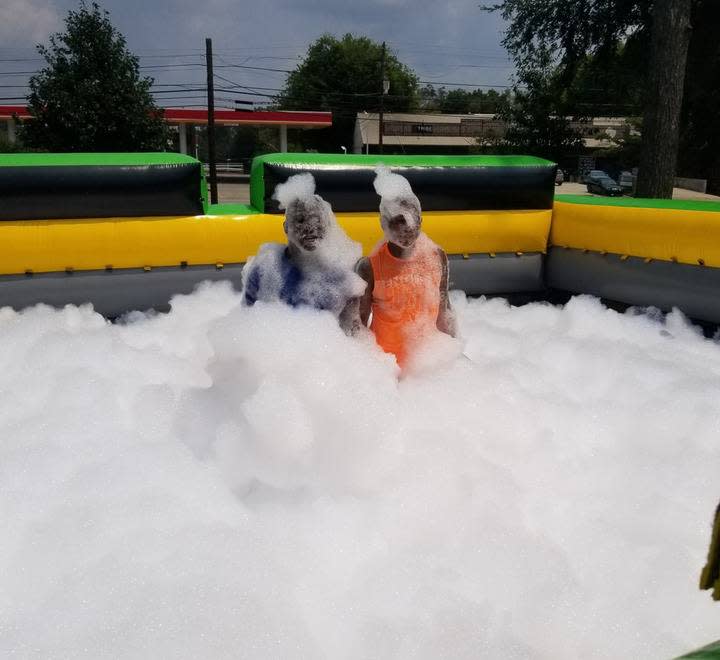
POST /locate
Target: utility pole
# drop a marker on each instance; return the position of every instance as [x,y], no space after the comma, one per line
[211,121]
[382,98]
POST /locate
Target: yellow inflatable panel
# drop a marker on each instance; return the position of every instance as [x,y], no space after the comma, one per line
[464,232]
[92,244]
[685,236]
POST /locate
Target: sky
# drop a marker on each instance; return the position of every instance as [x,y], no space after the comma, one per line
[443,42]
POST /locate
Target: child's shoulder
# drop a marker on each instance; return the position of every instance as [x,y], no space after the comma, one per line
[425,245]
[377,249]
[268,255]
[271,249]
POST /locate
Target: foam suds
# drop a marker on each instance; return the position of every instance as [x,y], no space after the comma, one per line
[390,185]
[224,480]
[298,186]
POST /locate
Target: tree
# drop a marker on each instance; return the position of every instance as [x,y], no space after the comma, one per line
[661,121]
[430,98]
[343,76]
[611,85]
[700,125]
[461,101]
[625,146]
[537,115]
[577,29]
[90,96]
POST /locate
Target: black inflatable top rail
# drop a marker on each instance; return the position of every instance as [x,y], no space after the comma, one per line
[442,183]
[60,186]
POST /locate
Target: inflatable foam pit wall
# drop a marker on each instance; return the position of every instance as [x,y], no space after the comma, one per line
[55,186]
[442,183]
[645,252]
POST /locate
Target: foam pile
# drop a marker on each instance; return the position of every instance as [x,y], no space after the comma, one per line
[225,481]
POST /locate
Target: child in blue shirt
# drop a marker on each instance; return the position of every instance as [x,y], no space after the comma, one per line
[316,267]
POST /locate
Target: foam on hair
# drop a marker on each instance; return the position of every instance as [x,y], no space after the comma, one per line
[297,187]
[390,185]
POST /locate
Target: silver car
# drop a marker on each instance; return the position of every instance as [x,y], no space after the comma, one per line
[626,182]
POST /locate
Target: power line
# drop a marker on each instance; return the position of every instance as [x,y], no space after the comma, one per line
[453,84]
[254,68]
[179,65]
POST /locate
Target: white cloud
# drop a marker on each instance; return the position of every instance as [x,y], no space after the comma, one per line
[23,23]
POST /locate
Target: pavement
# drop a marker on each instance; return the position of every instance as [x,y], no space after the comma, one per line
[678,193]
[234,193]
[239,193]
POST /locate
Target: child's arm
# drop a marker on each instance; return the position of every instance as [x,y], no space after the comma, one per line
[349,319]
[446,317]
[710,578]
[364,269]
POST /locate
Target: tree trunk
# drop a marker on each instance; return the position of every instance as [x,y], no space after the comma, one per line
[661,122]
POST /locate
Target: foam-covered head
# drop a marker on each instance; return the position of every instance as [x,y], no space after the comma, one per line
[311,226]
[308,217]
[400,212]
[307,222]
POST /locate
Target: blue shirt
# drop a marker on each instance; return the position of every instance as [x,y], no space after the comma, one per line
[325,289]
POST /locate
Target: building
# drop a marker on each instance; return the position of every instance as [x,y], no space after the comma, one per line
[182,117]
[284,119]
[428,133]
[425,132]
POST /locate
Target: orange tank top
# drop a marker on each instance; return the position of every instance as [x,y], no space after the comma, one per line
[405,298]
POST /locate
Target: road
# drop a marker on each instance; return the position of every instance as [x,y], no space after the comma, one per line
[678,193]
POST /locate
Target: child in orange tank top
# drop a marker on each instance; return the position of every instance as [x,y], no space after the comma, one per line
[406,275]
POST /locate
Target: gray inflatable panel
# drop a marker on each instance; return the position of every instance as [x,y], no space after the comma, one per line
[112,293]
[662,284]
[480,274]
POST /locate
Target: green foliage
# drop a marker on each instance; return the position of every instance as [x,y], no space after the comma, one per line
[6,147]
[90,95]
[343,76]
[571,29]
[430,97]
[600,50]
[576,59]
[625,147]
[477,101]
[537,116]
[611,84]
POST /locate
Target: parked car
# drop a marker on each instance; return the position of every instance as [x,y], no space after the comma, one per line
[626,182]
[593,175]
[559,177]
[604,185]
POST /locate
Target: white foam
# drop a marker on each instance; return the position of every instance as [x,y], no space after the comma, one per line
[224,481]
[298,186]
[390,185]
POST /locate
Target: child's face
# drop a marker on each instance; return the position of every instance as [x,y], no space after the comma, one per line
[401,221]
[306,224]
